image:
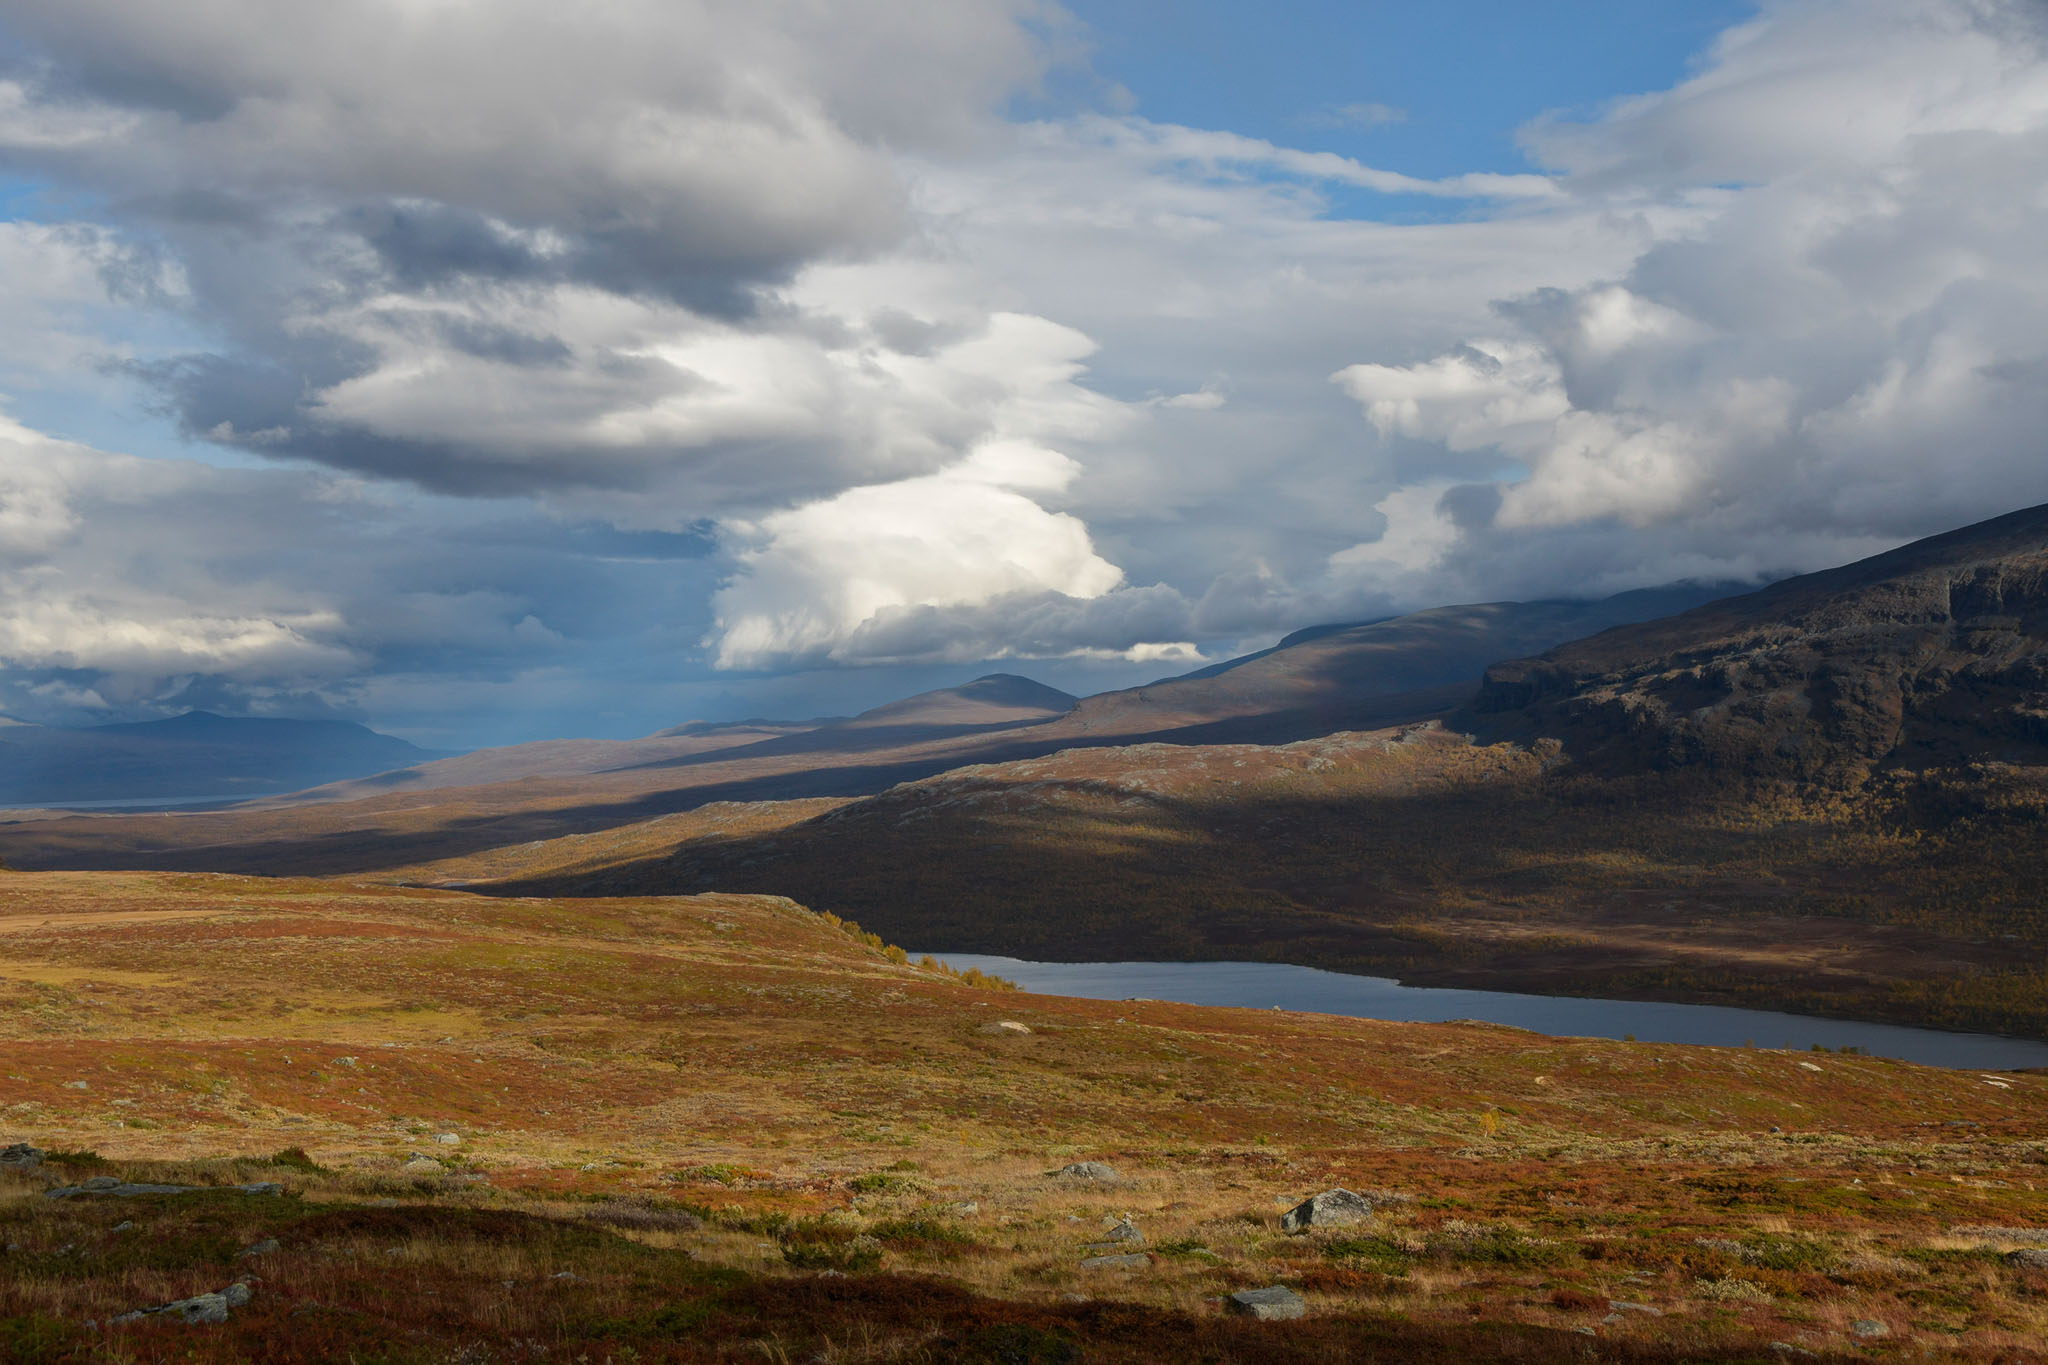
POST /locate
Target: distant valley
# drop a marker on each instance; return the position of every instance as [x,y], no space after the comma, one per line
[1815,795]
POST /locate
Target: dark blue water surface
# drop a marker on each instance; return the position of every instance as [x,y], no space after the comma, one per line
[1266,985]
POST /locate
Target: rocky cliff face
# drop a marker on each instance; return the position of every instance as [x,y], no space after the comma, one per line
[1933,654]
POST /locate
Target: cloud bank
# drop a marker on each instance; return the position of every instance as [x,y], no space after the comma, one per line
[888,376]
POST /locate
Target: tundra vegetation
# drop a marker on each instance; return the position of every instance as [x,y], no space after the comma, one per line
[726,1127]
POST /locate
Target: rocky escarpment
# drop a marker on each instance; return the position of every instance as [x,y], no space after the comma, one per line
[1933,654]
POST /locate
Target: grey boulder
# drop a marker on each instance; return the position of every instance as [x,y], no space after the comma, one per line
[1330,1209]
[1276,1303]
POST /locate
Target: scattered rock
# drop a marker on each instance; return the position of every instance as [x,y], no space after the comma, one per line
[122,1189]
[1005,1028]
[200,1308]
[1624,1306]
[1276,1303]
[1586,1331]
[1136,1260]
[77,1085]
[448,1139]
[2028,1258]
[1331,1208]
[1786,1348]
[267,1247]
[967,1208]
[125,1225]
[1868,1327]
[1087,1170]
[20,1157]
[420,1164]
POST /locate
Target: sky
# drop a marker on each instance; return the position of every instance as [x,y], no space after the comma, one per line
[497,371]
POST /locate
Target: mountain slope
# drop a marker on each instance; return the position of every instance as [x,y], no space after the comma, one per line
[1373,673]
[193,755]
[1932,654]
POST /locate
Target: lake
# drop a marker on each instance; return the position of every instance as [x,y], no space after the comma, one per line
[1264,985]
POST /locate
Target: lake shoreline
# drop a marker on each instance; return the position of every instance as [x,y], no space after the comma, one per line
[1648,1018]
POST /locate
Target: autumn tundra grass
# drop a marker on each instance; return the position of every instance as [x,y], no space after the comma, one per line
[429,1126]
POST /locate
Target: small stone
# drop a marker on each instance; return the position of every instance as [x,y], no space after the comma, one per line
[20,1156]
[76,1085]
[967,1208]
[1585,1331]
[1124,1230]
[125,1225]
[1087,1170]
[267,1247]
[1276,1303]
[1331,1208]
[1136,1260]
[448,1139]
[1786,1348]
[1613,1318]
[1005,1028]
[1624,1306]
[1869,1327]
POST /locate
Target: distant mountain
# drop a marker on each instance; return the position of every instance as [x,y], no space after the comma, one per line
[1373,673]
[198,754]
[1932,654]
[997,699]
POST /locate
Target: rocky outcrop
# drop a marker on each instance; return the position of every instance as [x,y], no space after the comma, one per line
[1933,654]
[122,1189]
[199,1309]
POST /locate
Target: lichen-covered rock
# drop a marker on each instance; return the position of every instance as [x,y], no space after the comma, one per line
[1087,1170]
[1330,1209]
[1276,1303]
